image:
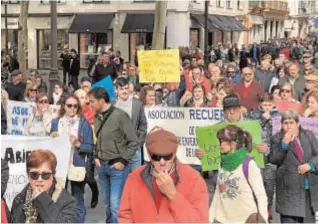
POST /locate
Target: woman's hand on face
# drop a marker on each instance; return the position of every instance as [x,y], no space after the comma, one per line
[36,191]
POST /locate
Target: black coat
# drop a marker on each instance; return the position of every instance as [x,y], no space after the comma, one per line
[65,61]
[74,69]
[290,185]
[57,206]
[3,121]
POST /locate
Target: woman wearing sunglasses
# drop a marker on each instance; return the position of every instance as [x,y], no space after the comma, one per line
[287,101]
[72,122]
[39,121]
[164,190]
[30,93]
[43,200]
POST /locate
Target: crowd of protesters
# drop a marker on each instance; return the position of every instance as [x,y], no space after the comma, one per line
[258,82]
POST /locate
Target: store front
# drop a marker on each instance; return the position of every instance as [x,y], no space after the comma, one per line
[94,35]
[140,30]
[12,38]
[44,47]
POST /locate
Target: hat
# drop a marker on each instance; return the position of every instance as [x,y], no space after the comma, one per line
[16,72]
[186,61]
[161,141]
[307,54]
[231,101]
[312,76]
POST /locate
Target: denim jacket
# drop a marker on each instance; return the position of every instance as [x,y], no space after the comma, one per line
[85,136]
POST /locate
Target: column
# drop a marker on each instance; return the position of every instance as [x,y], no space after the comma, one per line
[268,30]
[274,34]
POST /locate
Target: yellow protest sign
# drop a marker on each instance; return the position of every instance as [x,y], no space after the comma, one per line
[159,66]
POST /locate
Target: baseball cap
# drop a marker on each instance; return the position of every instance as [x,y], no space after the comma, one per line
[231,100]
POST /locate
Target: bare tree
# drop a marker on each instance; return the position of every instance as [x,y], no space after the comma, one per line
[158,38]
[23,35]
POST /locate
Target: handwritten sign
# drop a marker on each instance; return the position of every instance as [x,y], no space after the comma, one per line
[161,66]
[208,141]
[18,114]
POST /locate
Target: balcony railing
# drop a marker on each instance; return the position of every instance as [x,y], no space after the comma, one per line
[270,5]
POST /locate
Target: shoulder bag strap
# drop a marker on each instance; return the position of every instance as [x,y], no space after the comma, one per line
[245,171]
[111,109]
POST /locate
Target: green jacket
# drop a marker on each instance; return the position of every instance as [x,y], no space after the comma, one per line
[117,140]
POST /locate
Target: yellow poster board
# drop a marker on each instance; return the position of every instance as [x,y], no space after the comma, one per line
[159,66]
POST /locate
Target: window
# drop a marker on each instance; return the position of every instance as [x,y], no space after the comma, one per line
[228,4]
[239,5]
[218,3]
[10,2]
[95,1]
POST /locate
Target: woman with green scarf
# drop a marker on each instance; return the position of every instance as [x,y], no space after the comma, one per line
[240,191]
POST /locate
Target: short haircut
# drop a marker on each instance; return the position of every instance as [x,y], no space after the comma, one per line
[100,93]
[38,157]
[121,82]
[275,88]
[266,97]
[40,96]
[85,78]
[290,115]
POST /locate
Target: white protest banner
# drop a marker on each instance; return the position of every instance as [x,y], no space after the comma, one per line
[18,114]
[16,149]
[183,122]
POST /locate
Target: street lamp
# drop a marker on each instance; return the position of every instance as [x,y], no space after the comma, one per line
[53,76]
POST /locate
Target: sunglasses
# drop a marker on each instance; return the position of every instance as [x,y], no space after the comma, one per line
[43,101]
[286,91]
[69,106]
[33,90]
[36,175]
[247,74]
[157,157]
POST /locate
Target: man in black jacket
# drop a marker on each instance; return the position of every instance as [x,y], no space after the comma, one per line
[66,66]
[16,88]
[74,69]
[103,68]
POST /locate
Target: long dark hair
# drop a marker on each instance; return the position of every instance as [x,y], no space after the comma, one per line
[235,134]
[79,109]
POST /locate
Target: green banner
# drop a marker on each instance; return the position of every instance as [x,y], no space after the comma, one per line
[208,141]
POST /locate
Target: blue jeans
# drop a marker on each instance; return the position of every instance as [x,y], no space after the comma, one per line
[77,189]
[136,161]
[112,183]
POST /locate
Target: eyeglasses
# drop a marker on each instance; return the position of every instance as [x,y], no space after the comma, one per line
[33,90]
[157,157]
[36,175]
[286,91]
[43,102]
[70,106]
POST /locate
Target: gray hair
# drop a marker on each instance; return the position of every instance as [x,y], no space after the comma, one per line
[290,114]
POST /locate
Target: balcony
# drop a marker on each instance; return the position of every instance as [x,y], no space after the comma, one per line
[268,6]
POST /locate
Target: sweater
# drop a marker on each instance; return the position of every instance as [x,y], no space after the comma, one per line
[233,199]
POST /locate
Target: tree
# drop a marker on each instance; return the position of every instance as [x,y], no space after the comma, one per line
[23,35]
[159,30]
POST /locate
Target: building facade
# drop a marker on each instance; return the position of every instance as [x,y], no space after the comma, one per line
[266,20]
[93,26]
[301,16]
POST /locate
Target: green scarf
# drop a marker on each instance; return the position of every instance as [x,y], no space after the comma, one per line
[231,161]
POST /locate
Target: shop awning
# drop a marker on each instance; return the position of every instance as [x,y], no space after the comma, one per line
[219,23]
[91,23]
[199,18]
[234,24]
[138,23]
